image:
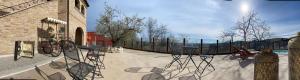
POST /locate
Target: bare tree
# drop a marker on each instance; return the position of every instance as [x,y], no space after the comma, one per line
[225,34]
[252,27]
[244,25]
[186,36]
[160,32]
[261,31]
[151,25]
[118,29]
[154,30]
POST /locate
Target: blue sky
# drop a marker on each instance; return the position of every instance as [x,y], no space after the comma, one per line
[204,18]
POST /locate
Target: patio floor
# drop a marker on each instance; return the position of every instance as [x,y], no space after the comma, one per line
[141,65]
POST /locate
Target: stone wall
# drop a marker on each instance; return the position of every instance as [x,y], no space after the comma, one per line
[23,25]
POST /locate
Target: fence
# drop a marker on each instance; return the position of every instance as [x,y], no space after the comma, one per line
[164,45]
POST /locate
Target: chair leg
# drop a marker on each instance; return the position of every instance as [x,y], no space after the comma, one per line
[170,64]
[208,63]
[102,62]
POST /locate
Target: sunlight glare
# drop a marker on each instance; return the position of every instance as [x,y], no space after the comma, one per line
[244,8]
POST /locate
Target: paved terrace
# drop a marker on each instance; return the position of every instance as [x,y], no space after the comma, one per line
[136,65]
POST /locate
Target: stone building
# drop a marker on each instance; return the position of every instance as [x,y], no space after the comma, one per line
[24,20]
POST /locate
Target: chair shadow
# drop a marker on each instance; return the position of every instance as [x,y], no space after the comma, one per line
[133,69]
[57,65]
[153,76]
[246,62]
[41,73]
[233,57]
[162,74]
[137,70]
[161,56]
[190,75]
[54,76]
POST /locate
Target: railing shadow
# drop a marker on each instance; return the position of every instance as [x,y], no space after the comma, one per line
[57,65]
[45,76]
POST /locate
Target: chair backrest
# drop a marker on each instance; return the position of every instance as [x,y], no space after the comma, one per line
[70,51]
[190,50]
[97,48]
[212,49]
[175,49]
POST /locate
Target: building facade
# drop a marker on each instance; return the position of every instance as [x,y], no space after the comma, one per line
[94,39]
[22,20]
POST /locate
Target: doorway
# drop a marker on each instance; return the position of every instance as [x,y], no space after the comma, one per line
[79,36]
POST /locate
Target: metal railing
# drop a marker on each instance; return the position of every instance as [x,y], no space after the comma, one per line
[163,46]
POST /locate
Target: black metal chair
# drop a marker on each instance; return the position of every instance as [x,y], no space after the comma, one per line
[76,68]
[176,53]
[98,51]
[207,58]
[95,56]
[190,51]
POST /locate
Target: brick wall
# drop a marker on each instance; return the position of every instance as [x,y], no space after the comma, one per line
[77,19]
[23,25]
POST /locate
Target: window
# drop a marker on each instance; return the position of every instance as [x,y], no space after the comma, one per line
[77,4]
[82,10]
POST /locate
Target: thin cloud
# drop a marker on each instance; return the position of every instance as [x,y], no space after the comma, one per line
[202,18]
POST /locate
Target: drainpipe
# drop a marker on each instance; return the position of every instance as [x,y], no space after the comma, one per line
[68,20]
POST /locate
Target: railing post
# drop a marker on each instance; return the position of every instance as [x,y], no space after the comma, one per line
[137,44]
[294,57]
[273,46]
[124,45]
[240,44]
[153,44]
[280,42]
[230,46]
[266,65]
[201,46]
[141,43]
[183,41]
[132,44]
[168,45]
[217,46]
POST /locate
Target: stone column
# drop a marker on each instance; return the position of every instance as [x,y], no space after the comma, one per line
[294,58]
[266,65]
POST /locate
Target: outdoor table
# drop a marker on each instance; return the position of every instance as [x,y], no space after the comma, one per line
[92,56]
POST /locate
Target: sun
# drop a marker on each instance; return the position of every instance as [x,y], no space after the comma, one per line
[244,8]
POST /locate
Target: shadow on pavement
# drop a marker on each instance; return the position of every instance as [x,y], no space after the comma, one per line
[55,76]
[246,62]
[57,65]
[153,76]
[133,69]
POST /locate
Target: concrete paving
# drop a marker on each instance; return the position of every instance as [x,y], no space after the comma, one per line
[141,65]
[10,67]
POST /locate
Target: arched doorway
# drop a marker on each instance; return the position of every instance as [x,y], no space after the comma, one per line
[79,36]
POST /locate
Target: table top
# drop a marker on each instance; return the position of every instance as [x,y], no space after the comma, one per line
[86,47]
